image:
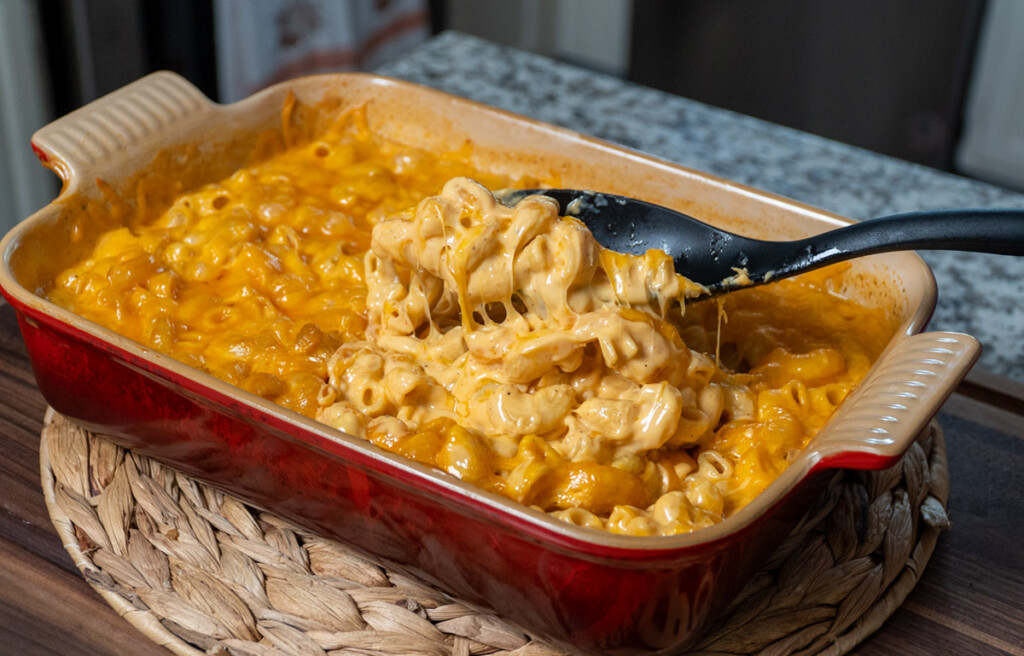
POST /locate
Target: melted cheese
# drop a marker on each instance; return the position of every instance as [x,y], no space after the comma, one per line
[501,345]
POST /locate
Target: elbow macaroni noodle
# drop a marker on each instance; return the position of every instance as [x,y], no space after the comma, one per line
[501,345]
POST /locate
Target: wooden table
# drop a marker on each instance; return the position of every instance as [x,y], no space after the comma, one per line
[969,601]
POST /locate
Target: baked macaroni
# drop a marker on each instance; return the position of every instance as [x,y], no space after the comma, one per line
[386,293]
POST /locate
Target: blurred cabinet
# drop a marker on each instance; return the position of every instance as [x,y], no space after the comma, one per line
[25,185]
[591,33]
[93,47]
[886,75]
[992,147]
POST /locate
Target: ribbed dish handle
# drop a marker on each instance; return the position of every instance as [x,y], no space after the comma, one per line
[897,401]
[123,122]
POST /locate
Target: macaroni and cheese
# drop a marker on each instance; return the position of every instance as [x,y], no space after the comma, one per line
[385,292]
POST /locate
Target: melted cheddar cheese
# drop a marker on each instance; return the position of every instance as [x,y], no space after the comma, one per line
[374,287]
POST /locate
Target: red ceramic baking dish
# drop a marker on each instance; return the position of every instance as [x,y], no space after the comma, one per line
[590,591]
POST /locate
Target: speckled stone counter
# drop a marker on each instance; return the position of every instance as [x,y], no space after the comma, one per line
[979,294]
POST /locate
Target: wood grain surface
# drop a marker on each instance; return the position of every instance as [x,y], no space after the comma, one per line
[969,600]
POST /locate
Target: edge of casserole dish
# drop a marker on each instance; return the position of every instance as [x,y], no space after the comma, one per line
[163,116]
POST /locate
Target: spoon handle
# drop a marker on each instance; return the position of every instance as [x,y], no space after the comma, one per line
[999,231]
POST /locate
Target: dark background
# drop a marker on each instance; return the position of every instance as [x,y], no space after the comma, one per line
[886,75]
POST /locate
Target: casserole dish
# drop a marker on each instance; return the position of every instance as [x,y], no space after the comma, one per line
[552,578]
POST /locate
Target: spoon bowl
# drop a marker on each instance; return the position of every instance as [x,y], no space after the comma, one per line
[723,261]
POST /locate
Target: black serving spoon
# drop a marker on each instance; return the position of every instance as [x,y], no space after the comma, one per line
[712,257]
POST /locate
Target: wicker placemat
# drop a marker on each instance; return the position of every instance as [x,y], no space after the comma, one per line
[200,572]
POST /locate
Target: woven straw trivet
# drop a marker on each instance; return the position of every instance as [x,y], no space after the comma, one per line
[199,572]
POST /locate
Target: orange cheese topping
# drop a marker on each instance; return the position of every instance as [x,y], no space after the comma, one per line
[599,400]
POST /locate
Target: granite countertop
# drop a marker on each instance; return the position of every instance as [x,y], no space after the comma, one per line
[979,294]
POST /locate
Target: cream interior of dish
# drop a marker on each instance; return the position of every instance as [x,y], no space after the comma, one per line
[375,287]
